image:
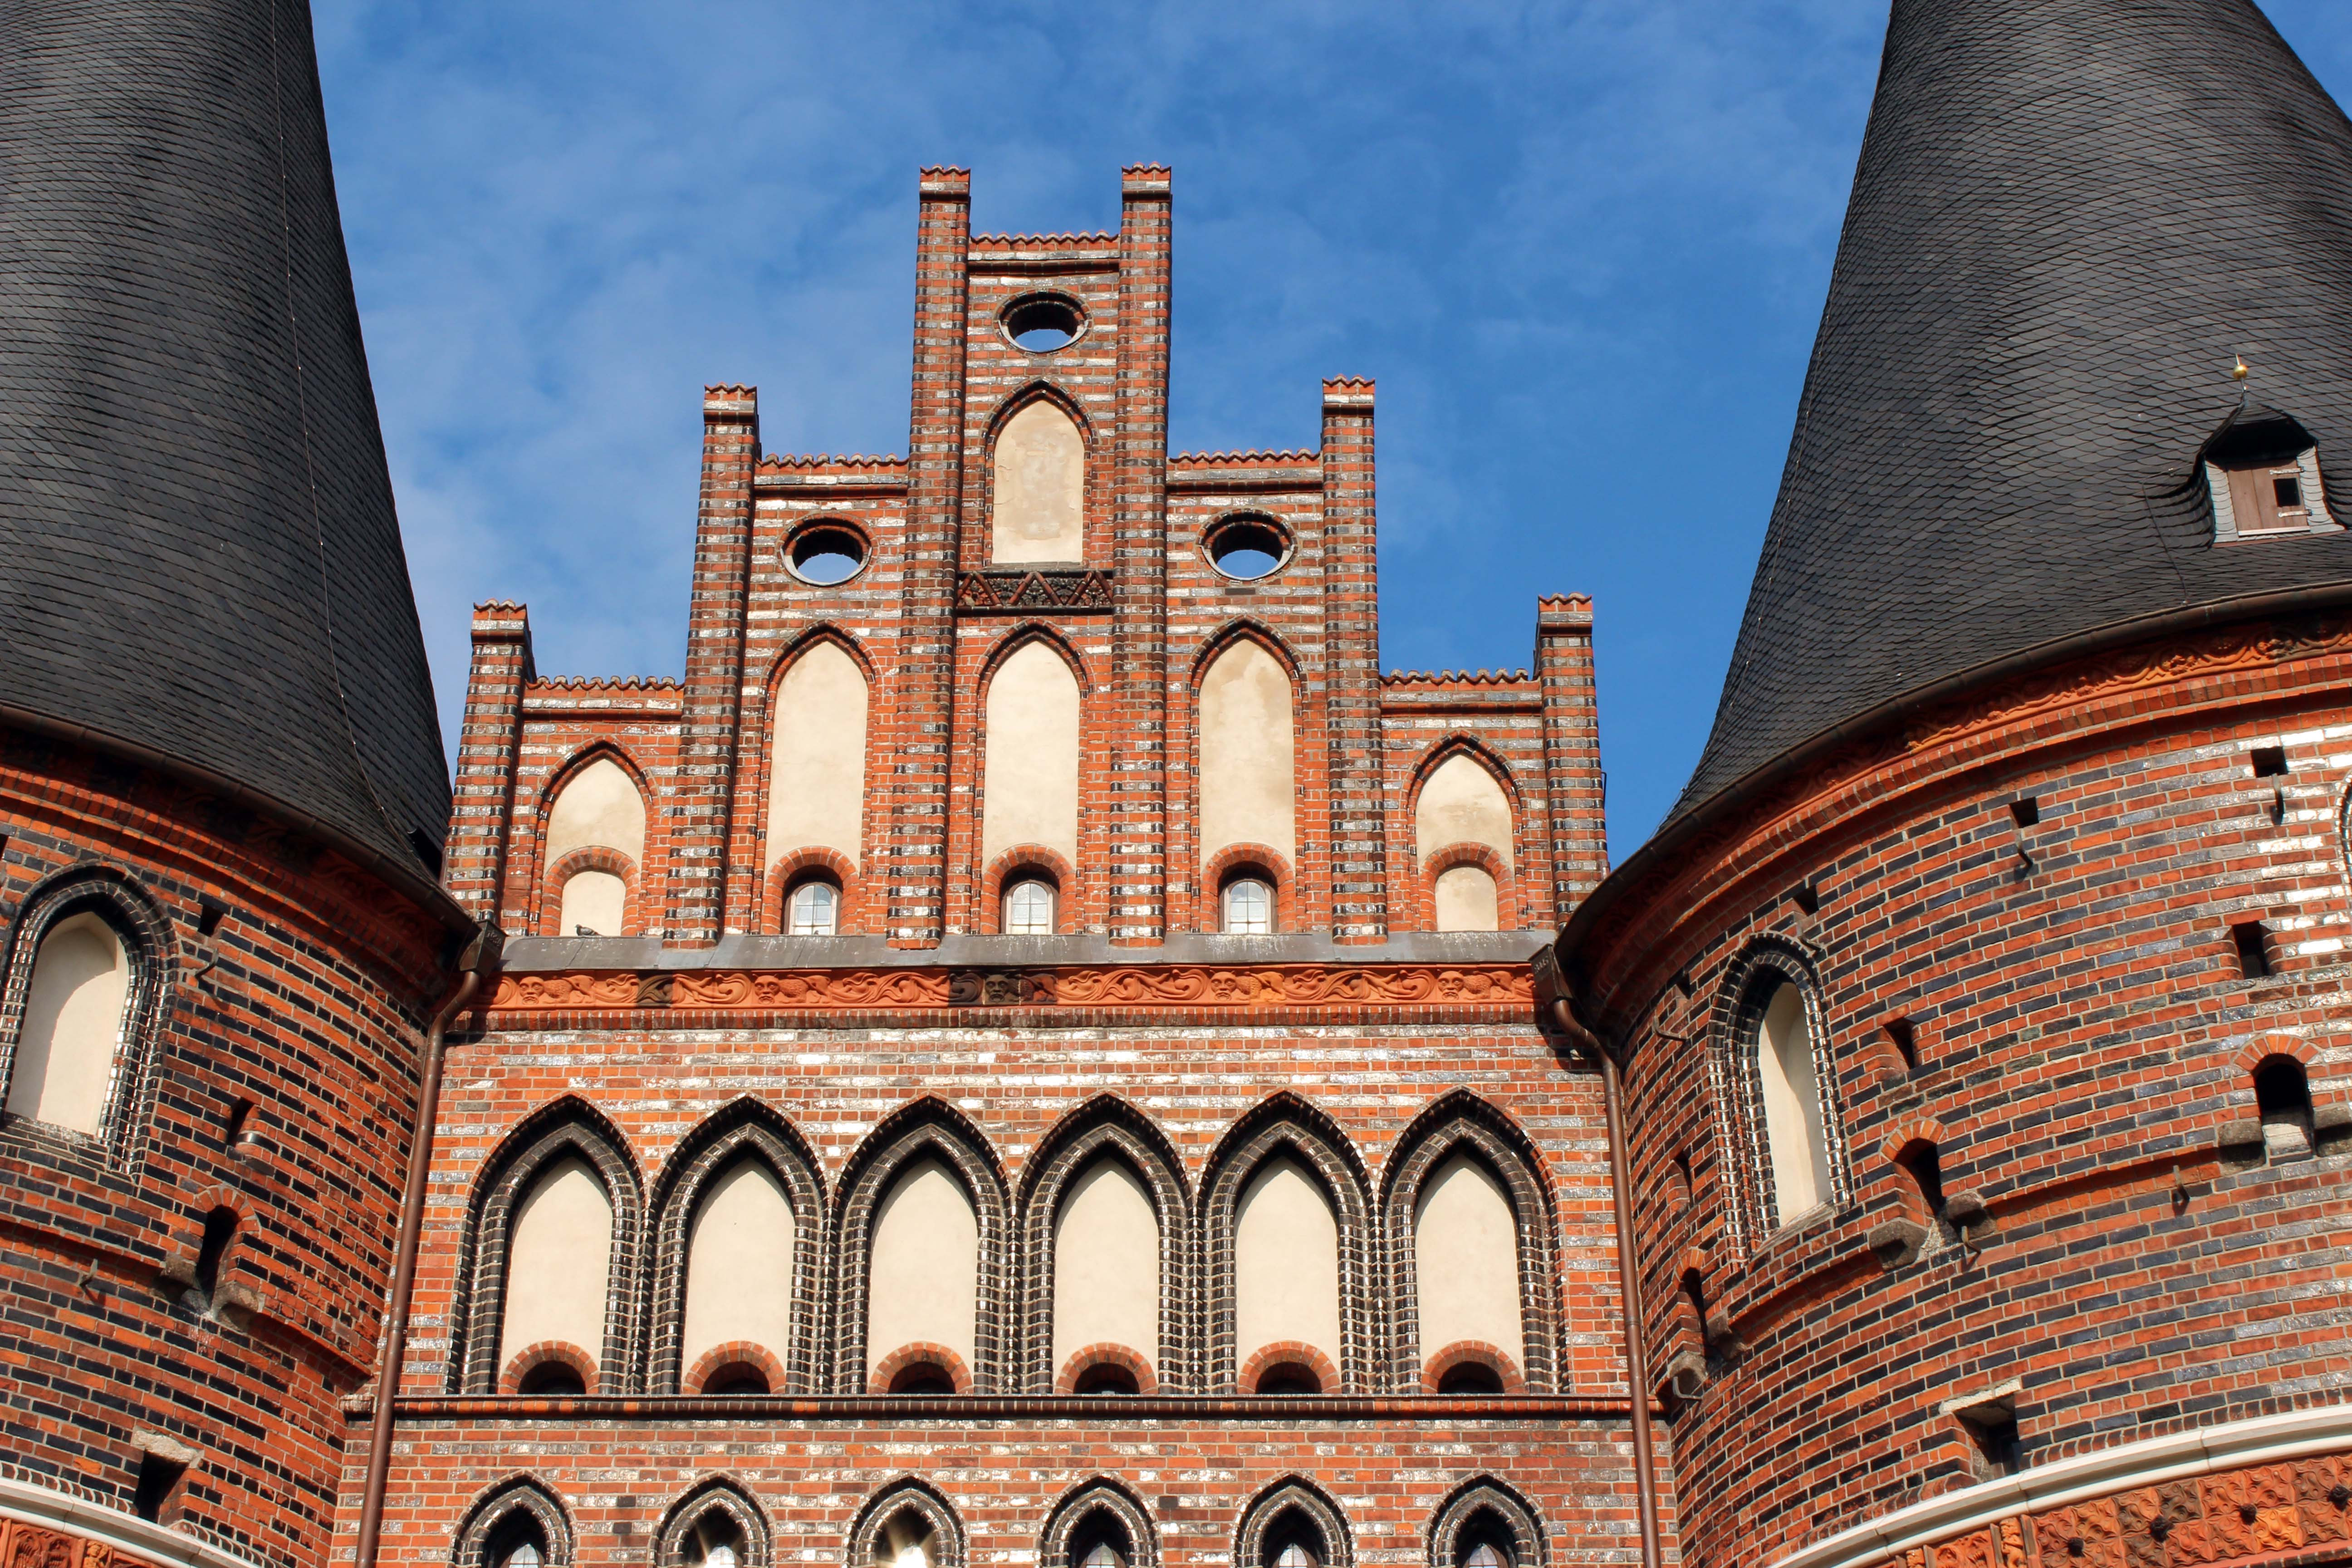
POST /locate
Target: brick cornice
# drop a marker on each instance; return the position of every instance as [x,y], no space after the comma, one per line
[1631,931]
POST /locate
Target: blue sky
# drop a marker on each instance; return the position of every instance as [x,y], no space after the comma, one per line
[1582,247]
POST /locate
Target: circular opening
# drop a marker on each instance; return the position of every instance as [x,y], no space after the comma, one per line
[1044,322]
[552,1377]
[1106,1377]
[1470,1377]
[1289,1377]
[1248,548]
[741,1378]
[826,554]
[922,1377]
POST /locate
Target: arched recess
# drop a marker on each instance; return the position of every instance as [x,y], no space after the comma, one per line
[566,1130]
[1034,714]
[716,1512]
[905,1516]
[1293,1509]
[1486,1511]
[709,1162]
[1097,1512]
[515,1511]
[816,760]
[1037,480]
[1105,1131]
[926,1133]
[1286,1131]
[1245,745]
[1791,1130]
[1459,1162]
[591,844]
[1466,812]
[90,957]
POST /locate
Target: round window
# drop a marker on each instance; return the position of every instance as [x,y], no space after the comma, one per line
[1247,548]
[1044,322]
[824,554]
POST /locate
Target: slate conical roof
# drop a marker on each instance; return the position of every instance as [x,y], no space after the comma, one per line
[198,553]
[2068,217]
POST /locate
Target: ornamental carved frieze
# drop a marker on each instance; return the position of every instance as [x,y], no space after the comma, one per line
[1004,593]
[24,1546]
[1173,986]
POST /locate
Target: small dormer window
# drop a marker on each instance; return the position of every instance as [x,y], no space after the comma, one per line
[2262,469]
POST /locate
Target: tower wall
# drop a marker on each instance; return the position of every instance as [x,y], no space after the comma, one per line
[2032,888]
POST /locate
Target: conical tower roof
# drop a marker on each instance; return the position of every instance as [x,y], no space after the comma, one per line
[198,554]
[2069,217]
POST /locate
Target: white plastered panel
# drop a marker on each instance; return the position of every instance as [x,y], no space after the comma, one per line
[1107,1264]
[1248,782]
[1467,899]
[816,756]
[599,808]
[73,1026]
[558,1262]
[594,901]
[1792,1106]
[1031,770]
[738,1269]
[923,1282]
[1466,1253]
[1286,1264]
[1462,803]
[1040,489]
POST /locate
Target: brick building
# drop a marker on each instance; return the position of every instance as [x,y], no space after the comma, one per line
[1037,1051]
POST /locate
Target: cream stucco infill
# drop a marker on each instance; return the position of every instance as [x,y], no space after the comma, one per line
[1248,787]
[1462,803]
[600,807]
[30,1504]
[816,756]
[2179,1456]
[1106,1265]
[1040,489]
[1032,772]
[1467,1261]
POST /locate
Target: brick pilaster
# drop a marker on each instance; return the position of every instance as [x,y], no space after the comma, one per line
[1574,787]
[916,739]
[482,801]
[1137,843]
[703,789]
[1351,621]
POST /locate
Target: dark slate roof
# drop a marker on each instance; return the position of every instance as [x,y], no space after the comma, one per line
[2068,217]
[198,554]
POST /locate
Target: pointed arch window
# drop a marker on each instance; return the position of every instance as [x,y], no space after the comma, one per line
[71,1036]
[1796,1134]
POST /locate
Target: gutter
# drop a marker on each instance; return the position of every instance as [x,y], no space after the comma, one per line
[1678,831]
[480,957]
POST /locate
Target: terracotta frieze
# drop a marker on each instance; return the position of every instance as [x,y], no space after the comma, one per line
[1185,985]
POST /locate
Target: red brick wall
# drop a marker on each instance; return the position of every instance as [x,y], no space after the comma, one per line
[2084,1031]
[306,1001]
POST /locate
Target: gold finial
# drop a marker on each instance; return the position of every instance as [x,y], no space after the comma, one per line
[2239,371]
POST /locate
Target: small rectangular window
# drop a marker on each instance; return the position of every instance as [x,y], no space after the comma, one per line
[2288,488]
[159,1481]
[1905,1039]
[2025,810]
[1993,1431]
[2270,761]
[2253,942]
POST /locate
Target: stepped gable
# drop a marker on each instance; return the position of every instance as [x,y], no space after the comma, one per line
[2069,216]
[202,559]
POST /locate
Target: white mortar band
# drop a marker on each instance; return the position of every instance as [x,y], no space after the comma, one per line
[2235,1444]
